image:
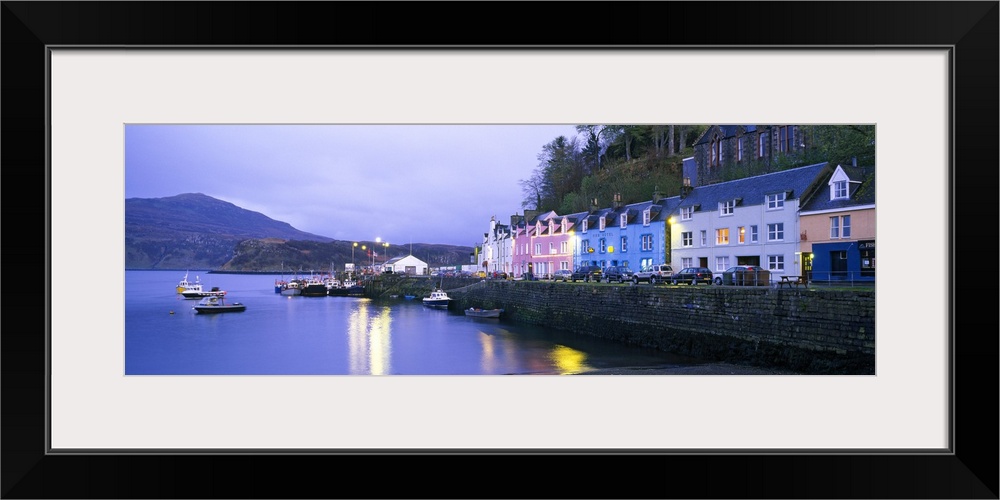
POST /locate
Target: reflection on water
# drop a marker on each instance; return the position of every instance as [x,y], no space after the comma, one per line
[369,340]
[568,360]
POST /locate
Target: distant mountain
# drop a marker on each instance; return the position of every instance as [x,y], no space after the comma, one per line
[196,231]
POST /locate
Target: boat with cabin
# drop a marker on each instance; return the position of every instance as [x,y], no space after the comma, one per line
[185,285]
[199,293]
[217,304]
[438,299]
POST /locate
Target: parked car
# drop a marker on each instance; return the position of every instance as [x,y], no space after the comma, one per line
[620,274]
[562,275]
[744,275]
[587,274]
[659,273]
[692,275]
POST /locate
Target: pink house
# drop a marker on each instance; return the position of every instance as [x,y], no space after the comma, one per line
[543,245]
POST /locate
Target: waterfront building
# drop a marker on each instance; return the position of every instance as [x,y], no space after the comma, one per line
[750,147]
[838,227]
[751,221]
[405,265]
[495,256]
[634,235]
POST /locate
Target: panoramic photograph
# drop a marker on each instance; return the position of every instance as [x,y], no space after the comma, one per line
[558,249]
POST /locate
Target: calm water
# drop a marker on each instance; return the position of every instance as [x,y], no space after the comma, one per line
[342,336]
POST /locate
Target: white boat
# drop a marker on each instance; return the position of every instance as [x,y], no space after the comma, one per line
[483,313]
[197,293]
[437,299]
[185,285]
[292,288]
[217,304]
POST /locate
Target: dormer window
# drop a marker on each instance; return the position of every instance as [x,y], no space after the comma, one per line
[726,207]
[583,228]
[562,226]
[645,217]
[839,190]
[551,226]
[775,201]
[600,224]
[686,213]
[623,221]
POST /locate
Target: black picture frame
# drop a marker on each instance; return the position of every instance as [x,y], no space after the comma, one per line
[970,28]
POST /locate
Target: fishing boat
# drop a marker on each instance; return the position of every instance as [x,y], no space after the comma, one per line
[217,304]
[198,293]
[476,312]
[313,287]
[292,288]
[438,299]
[185,285]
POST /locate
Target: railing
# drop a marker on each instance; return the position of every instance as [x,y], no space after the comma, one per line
[842,278]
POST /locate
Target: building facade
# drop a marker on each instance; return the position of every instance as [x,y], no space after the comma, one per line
[838,227]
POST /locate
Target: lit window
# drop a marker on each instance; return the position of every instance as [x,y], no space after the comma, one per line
[722,236]
[686,213]
[741,235]
[776,262]
[687,238]
[776,232]
[775,201]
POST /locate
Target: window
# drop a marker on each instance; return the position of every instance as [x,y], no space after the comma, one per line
[741,235]
[603,244]
[538,248]
[713,160]
[722,236]
[739,149]
[687,238]
[646,241]
[584,229]
[786,139]
[687,262]
[552,247]
[686,213]
[564,247]
[645,217]
[753,234]
[552,226]
[761,145]
[839,190]
[623,221]
[600,224]
[563,265]
[562,226]
[624,245]
[775,201]
[704,237]
[726,208]
[721,263]
[840,227]
[584,246]
[776,232]
[776,262]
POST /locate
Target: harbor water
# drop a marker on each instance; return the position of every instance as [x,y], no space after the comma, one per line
[281,335]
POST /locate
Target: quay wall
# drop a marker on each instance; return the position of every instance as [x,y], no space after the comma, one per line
[807,330]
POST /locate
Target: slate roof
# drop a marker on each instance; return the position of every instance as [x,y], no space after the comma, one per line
[727,132]
[860,194]
[753,190]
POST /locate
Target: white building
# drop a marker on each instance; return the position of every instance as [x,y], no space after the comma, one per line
[405,265]
[495,256]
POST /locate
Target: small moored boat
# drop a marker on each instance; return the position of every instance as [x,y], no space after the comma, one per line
[199,293]
[185,285]
[438,299]
[483,313]
[217,304]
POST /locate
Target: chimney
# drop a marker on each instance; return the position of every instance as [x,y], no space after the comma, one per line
[656,194]
[686,188]
[617,201]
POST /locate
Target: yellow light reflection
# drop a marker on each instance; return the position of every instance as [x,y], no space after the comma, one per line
[369,340]
[568,361]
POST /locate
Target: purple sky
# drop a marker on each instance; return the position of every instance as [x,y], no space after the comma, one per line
[401,183]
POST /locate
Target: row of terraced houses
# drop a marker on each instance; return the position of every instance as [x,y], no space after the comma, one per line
[815,221]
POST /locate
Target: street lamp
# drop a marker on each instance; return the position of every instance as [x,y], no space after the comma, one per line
[385,252]
[355,245]
[364,248]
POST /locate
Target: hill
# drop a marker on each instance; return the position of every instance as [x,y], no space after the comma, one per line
[196,231]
